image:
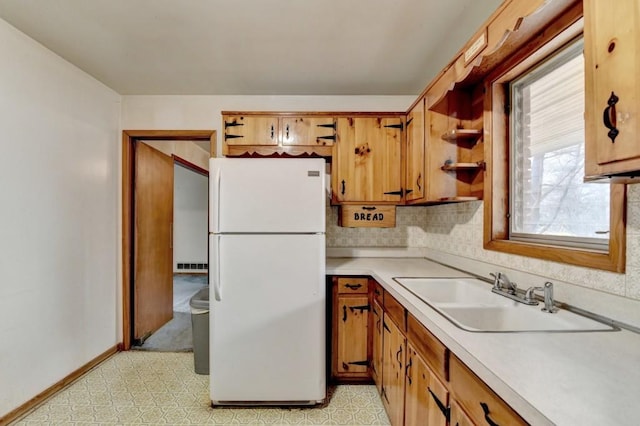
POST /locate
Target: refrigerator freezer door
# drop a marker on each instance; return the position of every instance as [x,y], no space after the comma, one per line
[268,329]
[267,195]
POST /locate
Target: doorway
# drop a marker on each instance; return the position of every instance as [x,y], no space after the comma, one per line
[140,303]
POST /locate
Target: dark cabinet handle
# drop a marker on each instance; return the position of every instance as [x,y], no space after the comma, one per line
[418,182]
[272,131]
[407,369]
[609,117]
[353,286]
[287,131]
[398,354]
[367,208]
[488,419]
[343,187]
[344,313]
[446,411]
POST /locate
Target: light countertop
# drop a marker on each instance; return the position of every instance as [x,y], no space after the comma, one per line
[574,378]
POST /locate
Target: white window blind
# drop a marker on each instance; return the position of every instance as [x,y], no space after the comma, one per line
[549,202]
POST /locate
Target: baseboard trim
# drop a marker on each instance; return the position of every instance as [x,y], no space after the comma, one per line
[49,392]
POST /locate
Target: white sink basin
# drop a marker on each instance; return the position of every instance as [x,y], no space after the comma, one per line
[517,318]
[454,290]
[470,305]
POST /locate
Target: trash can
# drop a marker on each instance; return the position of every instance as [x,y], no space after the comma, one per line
[200,329]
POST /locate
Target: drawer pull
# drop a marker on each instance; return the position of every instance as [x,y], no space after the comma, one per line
[446,411]
[353,286]
[488,419]
[344,313]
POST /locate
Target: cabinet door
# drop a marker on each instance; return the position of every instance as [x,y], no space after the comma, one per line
[376,353]
[458,416]
[612,64]
[393,375]
[368,160]
[426,398]
[314,131]
[250,130]
[415,153]
[480,402]
[352,327]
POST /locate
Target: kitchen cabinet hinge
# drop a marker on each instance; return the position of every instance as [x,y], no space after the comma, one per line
[395,126]
[400,192]
[330,126]
[232,124]
[365,362]
[232,136]
[331,137]
[360,308]
[409,121]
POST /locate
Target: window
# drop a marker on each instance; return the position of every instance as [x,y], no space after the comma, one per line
[536,203]
[550,203]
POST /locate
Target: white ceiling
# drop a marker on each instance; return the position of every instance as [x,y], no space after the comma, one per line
[254,47]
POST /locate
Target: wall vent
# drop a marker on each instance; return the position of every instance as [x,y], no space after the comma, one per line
[191,266]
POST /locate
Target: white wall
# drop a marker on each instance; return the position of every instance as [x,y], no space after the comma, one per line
[58,220]
[190,218]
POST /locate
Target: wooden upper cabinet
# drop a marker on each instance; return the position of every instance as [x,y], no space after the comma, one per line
[277,133]
[612,65]
[319,131]
[250,130]
[415,164]
[367,160]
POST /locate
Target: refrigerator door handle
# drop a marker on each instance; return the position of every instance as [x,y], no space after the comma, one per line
[216,199]
[216,282]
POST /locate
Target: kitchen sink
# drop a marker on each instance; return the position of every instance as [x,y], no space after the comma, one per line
[469,304]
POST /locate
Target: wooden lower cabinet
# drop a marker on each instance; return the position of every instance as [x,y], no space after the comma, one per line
[479,401]
[419,380]
[350,352]
[426,398]
[458,416]
[376,346]
[393,373]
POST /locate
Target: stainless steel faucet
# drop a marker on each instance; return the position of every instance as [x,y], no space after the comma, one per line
[501,283]
[505,287]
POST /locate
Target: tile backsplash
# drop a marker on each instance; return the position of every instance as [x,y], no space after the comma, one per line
[458,229]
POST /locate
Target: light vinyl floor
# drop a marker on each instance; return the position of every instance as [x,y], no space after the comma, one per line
[153,388]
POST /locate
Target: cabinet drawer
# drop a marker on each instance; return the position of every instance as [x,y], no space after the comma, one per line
[395,310]
[378,292]
[480,402]
[350,285]
[435,354]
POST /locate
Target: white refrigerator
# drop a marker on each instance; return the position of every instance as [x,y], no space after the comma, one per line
[267,279]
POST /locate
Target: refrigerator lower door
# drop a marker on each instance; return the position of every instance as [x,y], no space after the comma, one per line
[268,328]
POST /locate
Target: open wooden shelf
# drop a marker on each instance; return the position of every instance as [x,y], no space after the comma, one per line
[458,199]
[452,167]
[456,135]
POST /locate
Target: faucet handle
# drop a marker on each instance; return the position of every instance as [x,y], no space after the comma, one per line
[497,277]
[529,295]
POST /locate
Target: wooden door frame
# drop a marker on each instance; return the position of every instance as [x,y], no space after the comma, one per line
[129,139]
